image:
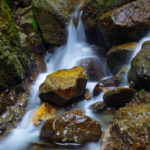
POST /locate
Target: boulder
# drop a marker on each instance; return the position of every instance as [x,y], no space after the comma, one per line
[118,97]
[130,129]
[127,23]
[53,16]
[43,113]
[109,82]
[72,127]
[63,86]
[119,56]
[139,72]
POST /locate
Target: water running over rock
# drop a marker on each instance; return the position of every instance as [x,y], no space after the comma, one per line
[65,57]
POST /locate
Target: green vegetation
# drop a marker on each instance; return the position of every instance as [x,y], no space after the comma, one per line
[34,24]
[141,92]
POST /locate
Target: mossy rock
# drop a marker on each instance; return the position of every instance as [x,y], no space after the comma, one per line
[118,97]
[53,16]
[13,63]
[139,72]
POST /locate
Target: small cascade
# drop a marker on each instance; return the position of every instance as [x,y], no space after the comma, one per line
[138,48]
[64,57]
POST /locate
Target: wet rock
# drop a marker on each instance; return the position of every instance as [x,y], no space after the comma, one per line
[127,23]
[119,56]
[130,128]
[63,85]
[73,127]
[59,13]
[87,94]
[140,97]
[98,106]
[13,102]
[109,82]
[43,113]
[139,72]
[10,118]
[122,75]
[22,3]
[94,66]
[118,97]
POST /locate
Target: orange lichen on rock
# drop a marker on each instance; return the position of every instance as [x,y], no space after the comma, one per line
[44,112]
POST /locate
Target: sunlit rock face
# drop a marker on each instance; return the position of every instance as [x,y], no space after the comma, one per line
[118,97]
[120,55]
[139,72]
[63,85]
[127,23]
[53,16]
[130,129]
[43,113]
[73,127]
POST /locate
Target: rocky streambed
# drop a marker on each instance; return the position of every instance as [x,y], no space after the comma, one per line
[90,96]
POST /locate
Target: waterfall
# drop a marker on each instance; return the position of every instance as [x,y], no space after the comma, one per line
[65,57]
[139,46]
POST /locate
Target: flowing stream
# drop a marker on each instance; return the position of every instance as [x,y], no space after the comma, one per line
[65,57]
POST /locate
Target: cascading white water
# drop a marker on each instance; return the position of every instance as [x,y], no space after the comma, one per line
[138,48]
[64,57]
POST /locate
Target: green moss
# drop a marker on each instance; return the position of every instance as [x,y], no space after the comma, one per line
[10,67]
[34,24]
[141,92]
[109,93]
[10,3]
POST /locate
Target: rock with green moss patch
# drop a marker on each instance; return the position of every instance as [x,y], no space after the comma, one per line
[139,72]
[118,97]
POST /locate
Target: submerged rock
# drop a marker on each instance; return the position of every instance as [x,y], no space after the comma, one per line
[63,85]
[110,82]
[119,56]
[127,23]
[118,97]
[43,113]
[72,128]
[130,129]
[139,72]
